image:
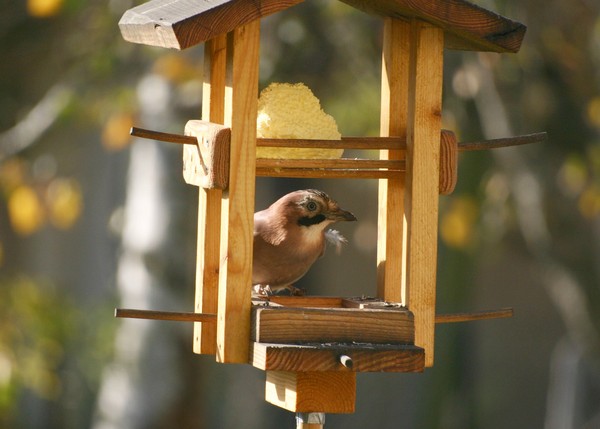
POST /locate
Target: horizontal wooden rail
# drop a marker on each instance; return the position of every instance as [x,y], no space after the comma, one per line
[318,173]
[329,168]
[367,143]
[502,142]
[338,163]
[161,136]
[479,315]
[165,315]
[211,318]
[212,172]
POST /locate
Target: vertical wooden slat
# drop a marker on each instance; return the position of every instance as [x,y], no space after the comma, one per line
[209,202]
[237,210]
[394,99]
[422,178]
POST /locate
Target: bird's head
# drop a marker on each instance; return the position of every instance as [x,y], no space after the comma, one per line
[311,207]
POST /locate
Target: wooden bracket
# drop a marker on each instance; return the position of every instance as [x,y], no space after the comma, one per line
[206,164]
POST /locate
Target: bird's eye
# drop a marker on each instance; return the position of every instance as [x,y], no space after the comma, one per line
[311,206]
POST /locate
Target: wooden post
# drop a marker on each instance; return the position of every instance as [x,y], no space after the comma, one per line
[310,420]
[209,202]
[422,178]
[394,100]
[237,209]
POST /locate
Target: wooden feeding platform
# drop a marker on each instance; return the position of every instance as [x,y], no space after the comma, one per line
[312,347]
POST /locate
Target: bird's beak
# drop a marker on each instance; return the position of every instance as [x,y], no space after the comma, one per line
[341,215]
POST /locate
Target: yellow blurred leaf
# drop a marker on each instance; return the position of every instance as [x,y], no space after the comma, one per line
[44,8]
[573,175]
[25,210]
[176,68]
[593,111]
[64,202]
[458,222]
[115,135]
[593,157]
[12,173]
[589,201]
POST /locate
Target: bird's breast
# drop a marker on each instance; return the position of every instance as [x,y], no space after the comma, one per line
[287,261]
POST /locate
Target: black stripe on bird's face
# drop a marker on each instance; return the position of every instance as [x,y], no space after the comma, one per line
[309,221]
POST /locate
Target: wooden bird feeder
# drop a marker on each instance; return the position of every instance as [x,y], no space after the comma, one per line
[312,347]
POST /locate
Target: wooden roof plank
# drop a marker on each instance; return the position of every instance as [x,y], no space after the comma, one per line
[181,24]
[466,25]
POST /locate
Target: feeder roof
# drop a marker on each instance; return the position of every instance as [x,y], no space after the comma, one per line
[181,24]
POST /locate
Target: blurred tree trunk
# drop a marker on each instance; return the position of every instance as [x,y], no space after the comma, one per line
[142,384]
[572,296]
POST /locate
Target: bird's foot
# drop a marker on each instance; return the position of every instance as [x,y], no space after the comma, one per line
[261,291]
[294,291]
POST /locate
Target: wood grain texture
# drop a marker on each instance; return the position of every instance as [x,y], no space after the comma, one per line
[394,110]
[312,392]
[307,301]
[466,26]
[422,179]
[180,24]
[369,143]
[207,268]
[283,325]
[320,173]
[326,357]
[331,302]
[448,163]
[209,203]
[237,209]
[330,164]
[330,168]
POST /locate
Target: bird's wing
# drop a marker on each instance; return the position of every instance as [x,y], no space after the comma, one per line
[268,231]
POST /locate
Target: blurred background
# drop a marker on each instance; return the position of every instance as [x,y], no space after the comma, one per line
[91,219]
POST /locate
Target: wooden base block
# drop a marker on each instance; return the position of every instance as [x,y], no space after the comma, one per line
[311,392]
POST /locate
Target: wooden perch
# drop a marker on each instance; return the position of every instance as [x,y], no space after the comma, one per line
[368,143]
[161,136]
[503,142]
[211,318]
[206,164]
[479,315]
[165,315]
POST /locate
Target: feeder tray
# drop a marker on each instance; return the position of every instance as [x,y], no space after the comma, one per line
[313,334]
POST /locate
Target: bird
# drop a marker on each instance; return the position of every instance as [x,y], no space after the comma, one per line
[290,235]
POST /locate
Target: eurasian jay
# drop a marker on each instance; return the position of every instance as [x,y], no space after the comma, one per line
[290,236]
